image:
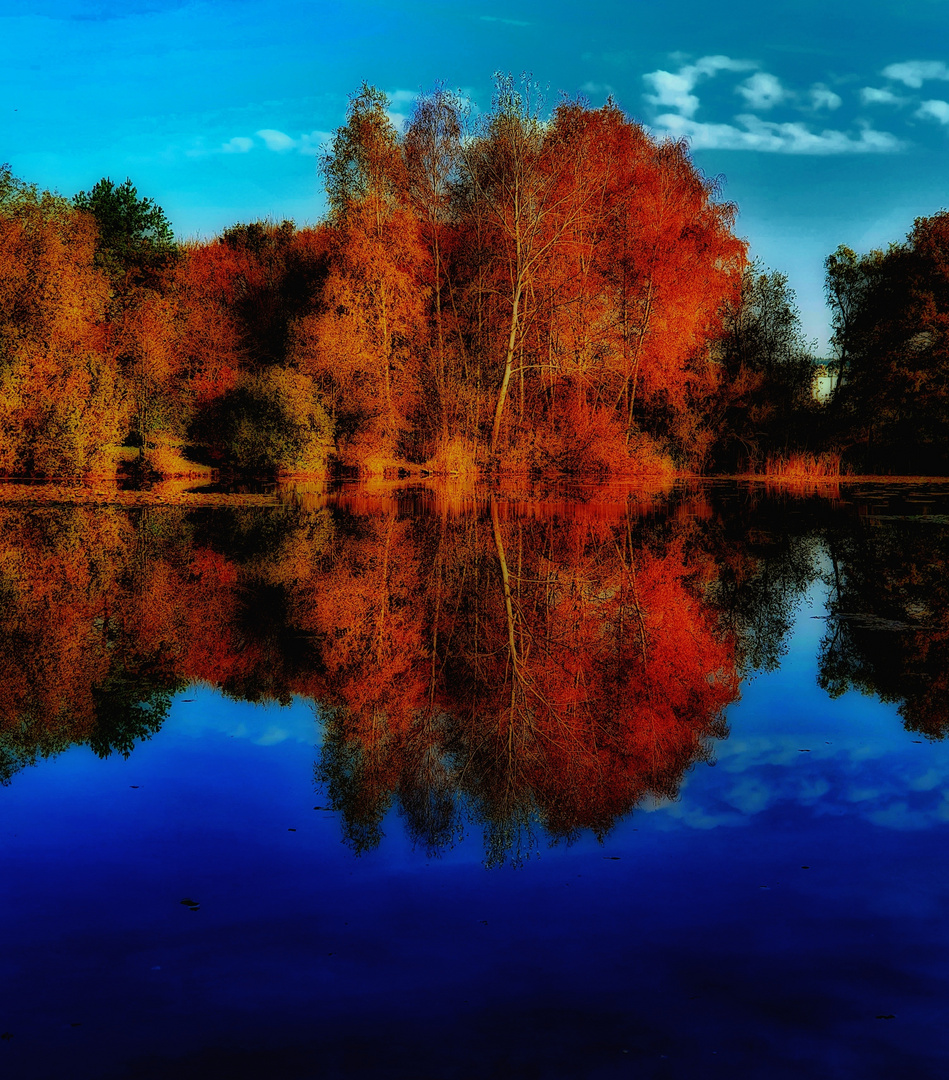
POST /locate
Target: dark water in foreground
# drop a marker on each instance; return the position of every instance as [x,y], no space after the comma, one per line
[624,788]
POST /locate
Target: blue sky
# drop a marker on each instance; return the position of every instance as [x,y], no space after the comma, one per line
[828,121]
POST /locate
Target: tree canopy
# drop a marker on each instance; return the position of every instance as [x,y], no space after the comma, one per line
[532,289]
[134,233]
[891,323]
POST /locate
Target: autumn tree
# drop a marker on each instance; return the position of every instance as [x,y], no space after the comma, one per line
[151,361]
[599,261]
[362,347]
[525,197]
[238,299]
[570,339]
[210,335]
[61,401]
[432,155]
[673,261]
[271,275]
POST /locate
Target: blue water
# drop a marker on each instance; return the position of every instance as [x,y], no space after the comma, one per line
[786,916]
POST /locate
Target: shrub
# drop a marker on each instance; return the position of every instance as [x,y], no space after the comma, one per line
[457,457]
[803,466]
[273,422]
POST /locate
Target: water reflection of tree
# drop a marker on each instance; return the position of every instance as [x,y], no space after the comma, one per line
[539,668]
[766,555]
[888,627]
[105,614]
[70,673]
[553,674]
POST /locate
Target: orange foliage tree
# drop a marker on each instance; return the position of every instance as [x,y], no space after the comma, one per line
[361,347]
[432,155]
[574,263]
[534,292]
[601,263]
[61,401]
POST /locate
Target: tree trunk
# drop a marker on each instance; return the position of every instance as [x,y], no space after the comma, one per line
[508,367]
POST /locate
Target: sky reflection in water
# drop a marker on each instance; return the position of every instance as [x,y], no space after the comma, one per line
[785,913]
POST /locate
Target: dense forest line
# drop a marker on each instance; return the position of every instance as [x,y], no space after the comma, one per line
[560,295]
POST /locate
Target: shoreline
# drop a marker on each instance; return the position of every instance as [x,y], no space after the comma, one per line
[187,492]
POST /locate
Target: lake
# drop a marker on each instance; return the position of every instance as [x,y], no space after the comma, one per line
[413,782]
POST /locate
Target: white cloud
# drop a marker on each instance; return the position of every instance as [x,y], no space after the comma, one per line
[507,22]
[276,140]
[750,795]
[931,779]
[884,782]
[597,88]
[934,110]
[899,816]
[400,107]
[310,143]
[240,144]
[673,89]
[769,137]
[314,143]
[869,95]
[712,65]
[697,817]
[208,712]
[914,73]
[824,98]
[761,91]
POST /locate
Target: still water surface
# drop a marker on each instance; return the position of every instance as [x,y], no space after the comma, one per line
[413,786]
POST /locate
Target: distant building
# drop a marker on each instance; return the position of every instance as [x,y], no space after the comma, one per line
[822,383]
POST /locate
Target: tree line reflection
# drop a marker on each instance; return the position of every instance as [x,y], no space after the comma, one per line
[536,667]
